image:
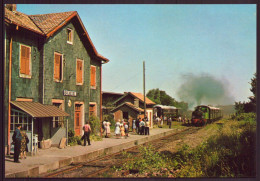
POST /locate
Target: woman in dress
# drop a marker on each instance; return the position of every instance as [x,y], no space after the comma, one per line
[24,143]
[122,129]
[108,129]
[134,126]
[117,129]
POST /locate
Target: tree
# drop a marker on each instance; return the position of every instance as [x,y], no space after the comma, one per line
[251,105]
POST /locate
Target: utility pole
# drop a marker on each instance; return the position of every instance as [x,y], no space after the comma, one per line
[144,88]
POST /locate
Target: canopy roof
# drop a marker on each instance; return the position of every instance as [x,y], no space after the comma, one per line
[36,109]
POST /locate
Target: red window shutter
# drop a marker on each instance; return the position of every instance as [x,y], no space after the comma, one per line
[27,64]
[93,76]
[25,60]
[57,61]
[79,71]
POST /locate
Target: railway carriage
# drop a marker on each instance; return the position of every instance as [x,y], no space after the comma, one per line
[162,110]
[205,114]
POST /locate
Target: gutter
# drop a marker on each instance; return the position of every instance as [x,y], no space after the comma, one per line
[9,96]
[101,112]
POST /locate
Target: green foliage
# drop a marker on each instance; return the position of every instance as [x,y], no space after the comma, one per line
[95,125]
[249,106]
[150,162]
[73,140]
[231,153]
[160,97]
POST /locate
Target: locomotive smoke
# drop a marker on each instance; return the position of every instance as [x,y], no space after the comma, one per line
[204,89]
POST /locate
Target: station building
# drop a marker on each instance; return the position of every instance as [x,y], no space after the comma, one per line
[53,75]
[131,106]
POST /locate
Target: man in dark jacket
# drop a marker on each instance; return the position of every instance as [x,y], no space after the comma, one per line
[137,125]
[17,137]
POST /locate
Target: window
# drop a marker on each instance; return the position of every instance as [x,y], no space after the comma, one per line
[19,117]
[92,109]
[79,72]
[70,36]
[58,121]
[93,77]
[58,72]
[25,61]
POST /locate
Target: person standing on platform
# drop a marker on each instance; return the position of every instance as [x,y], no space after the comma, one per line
[24,142]
[107,129]
[142,127]
[147,125]
[17,138]
[170,122]
[138,126]
[117,129]
[134,125]
[87,131]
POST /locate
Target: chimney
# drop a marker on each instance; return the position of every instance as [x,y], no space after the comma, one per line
[11,7]
[136,102]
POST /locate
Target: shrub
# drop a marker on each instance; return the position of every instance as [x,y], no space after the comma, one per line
[95,125]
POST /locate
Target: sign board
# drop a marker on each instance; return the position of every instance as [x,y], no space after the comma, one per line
[69,93]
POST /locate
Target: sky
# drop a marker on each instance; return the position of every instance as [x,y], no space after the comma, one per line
[173,40]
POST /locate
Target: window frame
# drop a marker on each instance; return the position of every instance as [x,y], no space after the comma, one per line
[79,83]
[67,31]
[58,122]
[93,86]
[28,76]
[94,104]
[61,66]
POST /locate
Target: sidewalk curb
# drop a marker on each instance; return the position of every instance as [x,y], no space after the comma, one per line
[37,170]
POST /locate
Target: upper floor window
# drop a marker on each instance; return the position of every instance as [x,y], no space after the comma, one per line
[58,67]
[93,77]
[92,109]
[79,72]
[25,61]
[69,36]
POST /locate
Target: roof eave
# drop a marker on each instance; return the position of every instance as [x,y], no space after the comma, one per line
[11,22]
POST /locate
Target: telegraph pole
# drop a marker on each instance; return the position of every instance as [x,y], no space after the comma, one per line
[144,88]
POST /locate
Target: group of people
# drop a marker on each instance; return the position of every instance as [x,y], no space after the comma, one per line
[141,126]
[20,141]
[122,129]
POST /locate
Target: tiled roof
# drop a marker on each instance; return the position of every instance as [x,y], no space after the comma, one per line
[48,22]
[141,97]
[129,105]
[22,20]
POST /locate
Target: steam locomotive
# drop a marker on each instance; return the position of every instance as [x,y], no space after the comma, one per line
[205,114]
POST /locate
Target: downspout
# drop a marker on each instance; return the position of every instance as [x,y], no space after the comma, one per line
[101,100]
[9,98]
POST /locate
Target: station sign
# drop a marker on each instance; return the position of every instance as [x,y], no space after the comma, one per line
[69,93]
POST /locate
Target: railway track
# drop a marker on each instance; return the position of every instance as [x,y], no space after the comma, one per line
[98,166]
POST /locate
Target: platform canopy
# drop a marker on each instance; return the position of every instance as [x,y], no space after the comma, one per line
[38,110]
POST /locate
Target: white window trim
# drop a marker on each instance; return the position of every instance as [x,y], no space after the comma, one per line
[77,83]
[72,36]
[62,68]
[30,62]
[93,87]
[95,104]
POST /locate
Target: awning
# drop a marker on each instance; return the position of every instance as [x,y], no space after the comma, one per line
[38,110]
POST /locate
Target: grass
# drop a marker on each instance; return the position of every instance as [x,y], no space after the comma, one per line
[229,152]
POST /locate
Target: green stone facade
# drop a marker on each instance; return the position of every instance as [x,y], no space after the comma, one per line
[41,87]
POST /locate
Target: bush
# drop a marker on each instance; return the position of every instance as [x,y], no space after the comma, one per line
[95,125]
[73,140]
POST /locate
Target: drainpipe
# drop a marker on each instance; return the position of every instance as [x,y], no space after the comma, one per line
[101,100]
[9,98]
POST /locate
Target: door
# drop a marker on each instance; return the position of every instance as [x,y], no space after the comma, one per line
[78,119]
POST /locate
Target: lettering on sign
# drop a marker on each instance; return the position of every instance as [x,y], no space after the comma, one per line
[69,93]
